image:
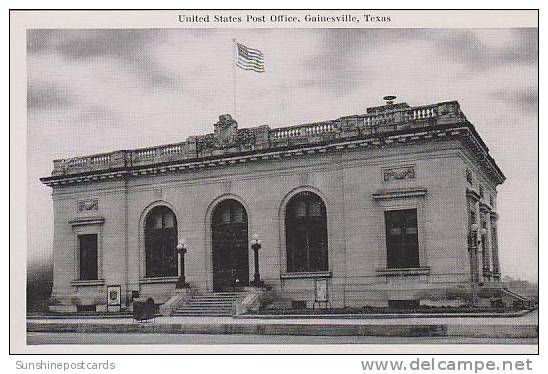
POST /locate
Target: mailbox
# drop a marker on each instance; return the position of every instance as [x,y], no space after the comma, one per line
[144,310]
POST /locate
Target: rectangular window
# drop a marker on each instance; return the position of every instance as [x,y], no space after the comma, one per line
[402,243]
[481,192]
[88,256]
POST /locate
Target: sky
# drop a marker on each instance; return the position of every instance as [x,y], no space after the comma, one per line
[94,91]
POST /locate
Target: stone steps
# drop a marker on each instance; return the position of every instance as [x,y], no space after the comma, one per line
[212,304]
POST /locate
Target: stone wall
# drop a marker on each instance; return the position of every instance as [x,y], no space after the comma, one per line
[356,186]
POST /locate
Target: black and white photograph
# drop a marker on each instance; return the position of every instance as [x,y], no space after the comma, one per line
[264,180]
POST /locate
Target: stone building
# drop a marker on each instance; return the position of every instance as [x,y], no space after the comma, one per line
[393,207]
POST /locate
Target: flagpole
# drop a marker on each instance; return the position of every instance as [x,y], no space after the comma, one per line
[234,77]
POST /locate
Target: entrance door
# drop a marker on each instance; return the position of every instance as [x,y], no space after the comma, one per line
[229,246]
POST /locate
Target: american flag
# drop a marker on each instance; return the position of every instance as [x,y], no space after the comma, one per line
[250,59]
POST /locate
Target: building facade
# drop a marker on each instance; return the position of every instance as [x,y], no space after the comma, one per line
[393,207]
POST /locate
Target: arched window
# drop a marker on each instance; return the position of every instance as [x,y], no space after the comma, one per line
[229,212]
[161,242]
[306,233]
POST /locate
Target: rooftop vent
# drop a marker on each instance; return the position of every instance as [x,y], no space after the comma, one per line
[389,99]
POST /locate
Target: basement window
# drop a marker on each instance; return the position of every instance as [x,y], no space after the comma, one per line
[403,304]
[86,308]
[298,304]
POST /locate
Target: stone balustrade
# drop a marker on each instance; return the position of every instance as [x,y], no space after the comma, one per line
[303,130]
[100,159]
[161,151]
[94,162]
[377,119]
[422,112]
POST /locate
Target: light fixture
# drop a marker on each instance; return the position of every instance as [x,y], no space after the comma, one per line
[181,245]
[255,240]
[181,250]
[256,245]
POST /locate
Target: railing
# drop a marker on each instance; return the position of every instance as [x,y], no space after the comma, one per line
[145,153]
[423,112]
[402,115]
[165,150]
[399,116]
[373,122]
[303,130]
[379,119]
[79,162]
[100,159]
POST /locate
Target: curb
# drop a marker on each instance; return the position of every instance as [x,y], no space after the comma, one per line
[312,316]
[426,330]
[384,316]
[76,316]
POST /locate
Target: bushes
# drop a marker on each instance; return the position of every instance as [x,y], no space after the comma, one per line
[495,308]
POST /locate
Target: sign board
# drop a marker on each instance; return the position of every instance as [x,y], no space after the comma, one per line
[320,288]
[114,295]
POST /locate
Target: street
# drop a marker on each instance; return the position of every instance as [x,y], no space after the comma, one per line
[34,338]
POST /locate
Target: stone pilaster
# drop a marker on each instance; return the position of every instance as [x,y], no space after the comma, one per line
[478,243]
[486,252]
[494,245]
[473,218]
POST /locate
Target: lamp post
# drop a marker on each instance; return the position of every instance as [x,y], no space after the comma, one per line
[474,263]
[256,245]
[181,250]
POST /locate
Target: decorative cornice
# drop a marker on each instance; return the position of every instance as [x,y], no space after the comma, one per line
[307,274]
[462,131]
[172,279]
[400,193]
[81,221]
[87,283]
[404,271]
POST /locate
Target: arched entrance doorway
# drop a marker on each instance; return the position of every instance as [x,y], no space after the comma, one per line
[229,246]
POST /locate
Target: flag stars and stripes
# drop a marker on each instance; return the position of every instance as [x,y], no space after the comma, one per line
[250,58]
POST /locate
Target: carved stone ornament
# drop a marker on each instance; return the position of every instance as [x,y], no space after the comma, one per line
[91,204]
[399,173]
[245,136]
[226,130]
[205,142]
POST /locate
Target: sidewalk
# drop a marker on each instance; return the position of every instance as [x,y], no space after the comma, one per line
[525,326]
